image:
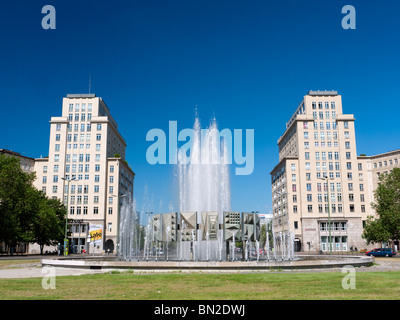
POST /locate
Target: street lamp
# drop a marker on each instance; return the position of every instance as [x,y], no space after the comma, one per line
[66,217]
[325,178]
[118,214]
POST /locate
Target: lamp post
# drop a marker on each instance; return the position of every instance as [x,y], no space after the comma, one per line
[325,178]
[66,217]
[118,214]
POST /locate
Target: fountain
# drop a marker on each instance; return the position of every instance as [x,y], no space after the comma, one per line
[205,231]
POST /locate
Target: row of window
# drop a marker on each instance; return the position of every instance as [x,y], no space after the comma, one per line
[320,104]
[322,125]
[84,210]
[320,135]
[80,107]
[385,163]
[85,200]
[320,115]
[332,208]
[80,167]
[336,144]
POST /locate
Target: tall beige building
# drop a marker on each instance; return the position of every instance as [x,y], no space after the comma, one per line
[87,149]
[319,177]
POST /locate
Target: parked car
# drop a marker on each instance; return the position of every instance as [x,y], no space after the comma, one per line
[381,252]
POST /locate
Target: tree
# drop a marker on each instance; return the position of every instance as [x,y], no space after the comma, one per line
[26,214]
[48,222]
[385,226]
[15,201]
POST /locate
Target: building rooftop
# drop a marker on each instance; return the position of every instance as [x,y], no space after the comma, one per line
[323,93]
[81,95]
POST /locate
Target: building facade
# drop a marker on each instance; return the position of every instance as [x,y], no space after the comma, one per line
[320,180]
[86,169]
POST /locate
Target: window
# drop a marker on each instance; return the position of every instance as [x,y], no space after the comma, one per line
[347,145]
[346,124]
[110,210]
[346,135]
[99,126]
[352,208]
[110,200]
[309,197]
[111,168]
[296,225]
[95,210]
[309,208]
[306,135]
[98,137]
[349,176]
[362,208]
[96,188]
[293,177]
[308,186]
[306,145]
[293,188]
[348,165]
[294,209]
[351,197]
[362,198]
[96,199]
[97,168]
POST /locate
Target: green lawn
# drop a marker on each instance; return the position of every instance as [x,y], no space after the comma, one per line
[254,286]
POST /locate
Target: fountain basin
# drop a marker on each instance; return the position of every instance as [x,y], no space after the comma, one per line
[196,266]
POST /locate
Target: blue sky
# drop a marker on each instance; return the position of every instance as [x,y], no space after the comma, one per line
[248,63]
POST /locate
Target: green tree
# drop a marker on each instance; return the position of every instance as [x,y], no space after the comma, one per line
[385,226]
[16,203]
[26,214]
[48,222]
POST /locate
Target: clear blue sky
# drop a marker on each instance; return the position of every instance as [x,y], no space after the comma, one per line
[249,63]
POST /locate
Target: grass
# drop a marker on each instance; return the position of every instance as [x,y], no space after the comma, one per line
[18,263]
[254,286]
